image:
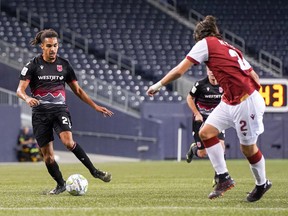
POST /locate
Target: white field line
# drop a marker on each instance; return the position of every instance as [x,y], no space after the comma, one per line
[276,209]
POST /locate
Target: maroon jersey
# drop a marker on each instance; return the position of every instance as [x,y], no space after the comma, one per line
[229,67]
[47,81]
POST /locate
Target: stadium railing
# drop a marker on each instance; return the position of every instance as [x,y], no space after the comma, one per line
[116,136]
[10,98]
[122,61]
[272,62]
[30,17]
[13,55]
[274,66]
[68,35]
[107,93]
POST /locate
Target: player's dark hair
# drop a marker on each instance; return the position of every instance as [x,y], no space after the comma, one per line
[205,28]
[40,36]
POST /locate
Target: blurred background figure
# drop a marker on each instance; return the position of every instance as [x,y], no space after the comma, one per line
[27,147]
[204,96]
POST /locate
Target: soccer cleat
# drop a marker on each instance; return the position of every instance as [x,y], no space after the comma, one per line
[190,154]
[59,189]
[104,176]
[259,191]
[222,185]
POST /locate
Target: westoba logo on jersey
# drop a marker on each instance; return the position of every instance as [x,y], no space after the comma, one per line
[52,77]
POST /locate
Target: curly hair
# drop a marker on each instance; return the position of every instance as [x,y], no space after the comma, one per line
[205,28]
[40,36]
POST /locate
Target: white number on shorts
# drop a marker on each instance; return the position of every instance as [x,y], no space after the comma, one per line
[243,125]
[65,120]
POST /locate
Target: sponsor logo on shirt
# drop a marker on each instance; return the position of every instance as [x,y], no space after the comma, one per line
[212,96]
[50,77]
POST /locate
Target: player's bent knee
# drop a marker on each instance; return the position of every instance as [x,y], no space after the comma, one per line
[249,150]
[49,159]
[203,135]
[69,145]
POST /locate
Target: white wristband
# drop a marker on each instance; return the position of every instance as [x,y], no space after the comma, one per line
[157,86]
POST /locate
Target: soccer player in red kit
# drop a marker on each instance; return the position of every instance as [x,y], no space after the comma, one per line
[242,106]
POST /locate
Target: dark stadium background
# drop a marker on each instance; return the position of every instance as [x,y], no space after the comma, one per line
[119,48]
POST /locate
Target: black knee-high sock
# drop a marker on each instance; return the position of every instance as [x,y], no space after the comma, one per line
[82,156]
[55,172]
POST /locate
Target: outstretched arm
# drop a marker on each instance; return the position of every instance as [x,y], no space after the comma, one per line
[172,75]
[84,97]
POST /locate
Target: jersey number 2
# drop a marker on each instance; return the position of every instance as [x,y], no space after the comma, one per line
[65,120]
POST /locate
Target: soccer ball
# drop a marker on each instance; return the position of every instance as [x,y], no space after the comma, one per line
[77,185]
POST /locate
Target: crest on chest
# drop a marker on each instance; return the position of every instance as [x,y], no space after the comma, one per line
[59,68]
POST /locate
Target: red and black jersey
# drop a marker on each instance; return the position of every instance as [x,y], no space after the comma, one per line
[206,96]
[229,67]
[47,81]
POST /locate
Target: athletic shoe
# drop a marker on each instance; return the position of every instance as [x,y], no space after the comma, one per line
[190,154]
[222,186]
[104,176]
[59,189]
[259,191]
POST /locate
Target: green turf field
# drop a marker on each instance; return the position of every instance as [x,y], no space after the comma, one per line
[142,188]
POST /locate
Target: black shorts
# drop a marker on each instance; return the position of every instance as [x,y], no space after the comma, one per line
[196,128]
[45,123]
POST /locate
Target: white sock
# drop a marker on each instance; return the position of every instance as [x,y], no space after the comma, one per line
[216,156]
[258,171]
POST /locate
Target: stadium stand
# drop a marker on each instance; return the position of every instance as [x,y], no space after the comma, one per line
[262,24]
[120,28]
[155,41]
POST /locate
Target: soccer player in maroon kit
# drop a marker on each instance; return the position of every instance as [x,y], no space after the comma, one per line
[46,76]
[242,106]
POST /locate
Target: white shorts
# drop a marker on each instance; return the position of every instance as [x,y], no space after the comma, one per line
[246,118]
